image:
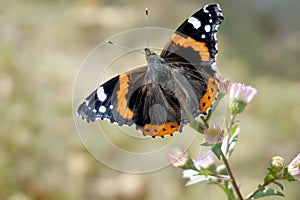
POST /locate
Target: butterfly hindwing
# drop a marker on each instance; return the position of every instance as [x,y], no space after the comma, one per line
[158,111]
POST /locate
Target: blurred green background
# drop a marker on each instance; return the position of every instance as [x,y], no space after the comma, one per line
[43,43]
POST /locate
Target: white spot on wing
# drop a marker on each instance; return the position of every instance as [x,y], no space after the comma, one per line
[111,106]
[215,36]
[101,94]
[214,66]
[203,36]
[102,109]
[204,9]
[195,22]
[207,28]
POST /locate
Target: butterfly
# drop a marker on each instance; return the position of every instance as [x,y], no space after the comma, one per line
[161,97]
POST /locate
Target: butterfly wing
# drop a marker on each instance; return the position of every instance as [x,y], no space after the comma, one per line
[110,100]
[195,39]
[193,48]
[127,99]
[158,112]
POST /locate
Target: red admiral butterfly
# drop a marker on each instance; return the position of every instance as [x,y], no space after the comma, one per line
[180,83]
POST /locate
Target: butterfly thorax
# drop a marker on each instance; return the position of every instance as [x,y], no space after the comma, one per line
[158,71]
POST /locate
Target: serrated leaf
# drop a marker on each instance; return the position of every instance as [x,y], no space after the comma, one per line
[267,192]
[279,184]
[217,150]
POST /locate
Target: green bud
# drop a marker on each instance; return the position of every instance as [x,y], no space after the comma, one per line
[237,106]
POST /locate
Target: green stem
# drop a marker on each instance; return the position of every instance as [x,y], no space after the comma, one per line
[258,188]
[231,123]
[234,184]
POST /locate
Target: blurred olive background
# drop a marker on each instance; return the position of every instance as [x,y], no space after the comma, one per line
[43,43]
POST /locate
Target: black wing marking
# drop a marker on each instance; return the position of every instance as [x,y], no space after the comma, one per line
[196,36]
[109,101]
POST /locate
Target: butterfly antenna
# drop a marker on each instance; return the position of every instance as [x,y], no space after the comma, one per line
[147,22]
[123,47]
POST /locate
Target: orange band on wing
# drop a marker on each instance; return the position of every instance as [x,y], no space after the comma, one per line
[210,95]
[160,130]
[200,47]
[122,106]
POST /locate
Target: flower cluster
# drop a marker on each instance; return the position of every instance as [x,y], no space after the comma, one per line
[196,170]
[219,144]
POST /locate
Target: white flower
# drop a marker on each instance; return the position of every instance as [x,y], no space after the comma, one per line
[213,134]
[294,167]
[204,160]
[240,96]
[242,92]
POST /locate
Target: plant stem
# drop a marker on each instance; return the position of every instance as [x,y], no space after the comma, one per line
[234,184]
[205,120]
[258,189]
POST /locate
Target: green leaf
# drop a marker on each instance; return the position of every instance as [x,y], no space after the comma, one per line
[234,133]
[234,130]
[197,125]
[217,150]
[228,192]
[206,144]
[278,184]
[266,192]
[287,176]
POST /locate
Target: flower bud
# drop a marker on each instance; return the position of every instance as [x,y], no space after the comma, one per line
[240,96]
[277,163]
[225,84]
[213,134]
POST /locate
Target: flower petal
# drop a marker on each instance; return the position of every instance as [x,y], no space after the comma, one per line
[189,173]
[178,156]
